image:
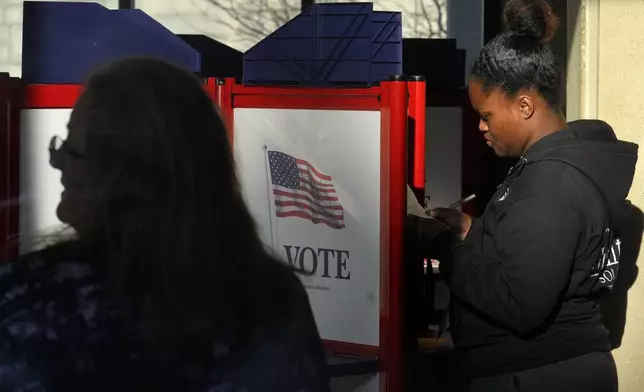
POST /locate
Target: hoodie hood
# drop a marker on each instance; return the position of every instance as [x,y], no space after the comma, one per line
[592,147]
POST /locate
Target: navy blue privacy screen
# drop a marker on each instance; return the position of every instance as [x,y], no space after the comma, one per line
[64,42]
[329,45]
[217,59]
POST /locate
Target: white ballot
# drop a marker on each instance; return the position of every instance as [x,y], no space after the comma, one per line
[413,206]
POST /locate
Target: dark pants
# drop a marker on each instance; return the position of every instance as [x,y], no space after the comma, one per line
[594,372]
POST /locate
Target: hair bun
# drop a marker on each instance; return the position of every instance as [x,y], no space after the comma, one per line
[533,18]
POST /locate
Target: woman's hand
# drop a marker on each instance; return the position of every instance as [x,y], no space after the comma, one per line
[458,222]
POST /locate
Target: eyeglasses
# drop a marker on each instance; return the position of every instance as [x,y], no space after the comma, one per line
[58,151]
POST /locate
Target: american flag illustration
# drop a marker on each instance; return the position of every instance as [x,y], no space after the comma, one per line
[300,190]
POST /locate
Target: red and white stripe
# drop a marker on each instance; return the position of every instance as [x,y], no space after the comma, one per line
[316,200]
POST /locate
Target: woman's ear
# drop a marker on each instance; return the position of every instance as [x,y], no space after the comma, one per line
[526,106]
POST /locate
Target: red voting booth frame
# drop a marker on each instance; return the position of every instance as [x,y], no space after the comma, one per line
[11,98]
[400,103]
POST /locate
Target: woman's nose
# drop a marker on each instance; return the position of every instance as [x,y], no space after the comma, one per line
[483,126]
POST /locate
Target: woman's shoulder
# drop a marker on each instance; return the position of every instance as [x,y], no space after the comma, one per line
[55,263]
[50,278]
[280,279]
[286,351]
[18,275]
[46,307]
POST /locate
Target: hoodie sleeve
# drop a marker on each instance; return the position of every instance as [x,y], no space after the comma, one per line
[536,241]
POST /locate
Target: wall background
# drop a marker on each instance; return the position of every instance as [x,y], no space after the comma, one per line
[620,101]
[605,82]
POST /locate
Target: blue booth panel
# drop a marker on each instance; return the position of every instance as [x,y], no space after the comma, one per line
[64,42]
[339,44]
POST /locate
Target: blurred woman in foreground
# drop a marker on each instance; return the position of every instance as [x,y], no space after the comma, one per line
[167,285]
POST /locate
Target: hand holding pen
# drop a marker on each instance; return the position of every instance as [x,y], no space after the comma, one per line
[459,222]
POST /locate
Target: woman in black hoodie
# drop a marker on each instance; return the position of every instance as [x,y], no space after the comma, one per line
[525,276]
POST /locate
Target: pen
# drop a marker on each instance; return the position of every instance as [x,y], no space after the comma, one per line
[463,201]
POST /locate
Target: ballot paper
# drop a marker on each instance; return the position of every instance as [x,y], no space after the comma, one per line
[413,206]
[427,230]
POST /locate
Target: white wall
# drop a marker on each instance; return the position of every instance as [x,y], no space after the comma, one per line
[604,81]
[40,186]
[620,101]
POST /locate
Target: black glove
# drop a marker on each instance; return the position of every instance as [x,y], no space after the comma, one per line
[423,233]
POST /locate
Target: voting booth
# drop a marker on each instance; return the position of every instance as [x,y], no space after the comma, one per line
[324,174]
[327,133]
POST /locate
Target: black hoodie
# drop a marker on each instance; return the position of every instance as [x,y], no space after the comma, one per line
[525,279]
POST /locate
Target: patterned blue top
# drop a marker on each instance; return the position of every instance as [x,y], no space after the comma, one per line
[59,331]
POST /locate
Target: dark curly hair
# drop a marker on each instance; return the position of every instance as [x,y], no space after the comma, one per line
[521,59]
